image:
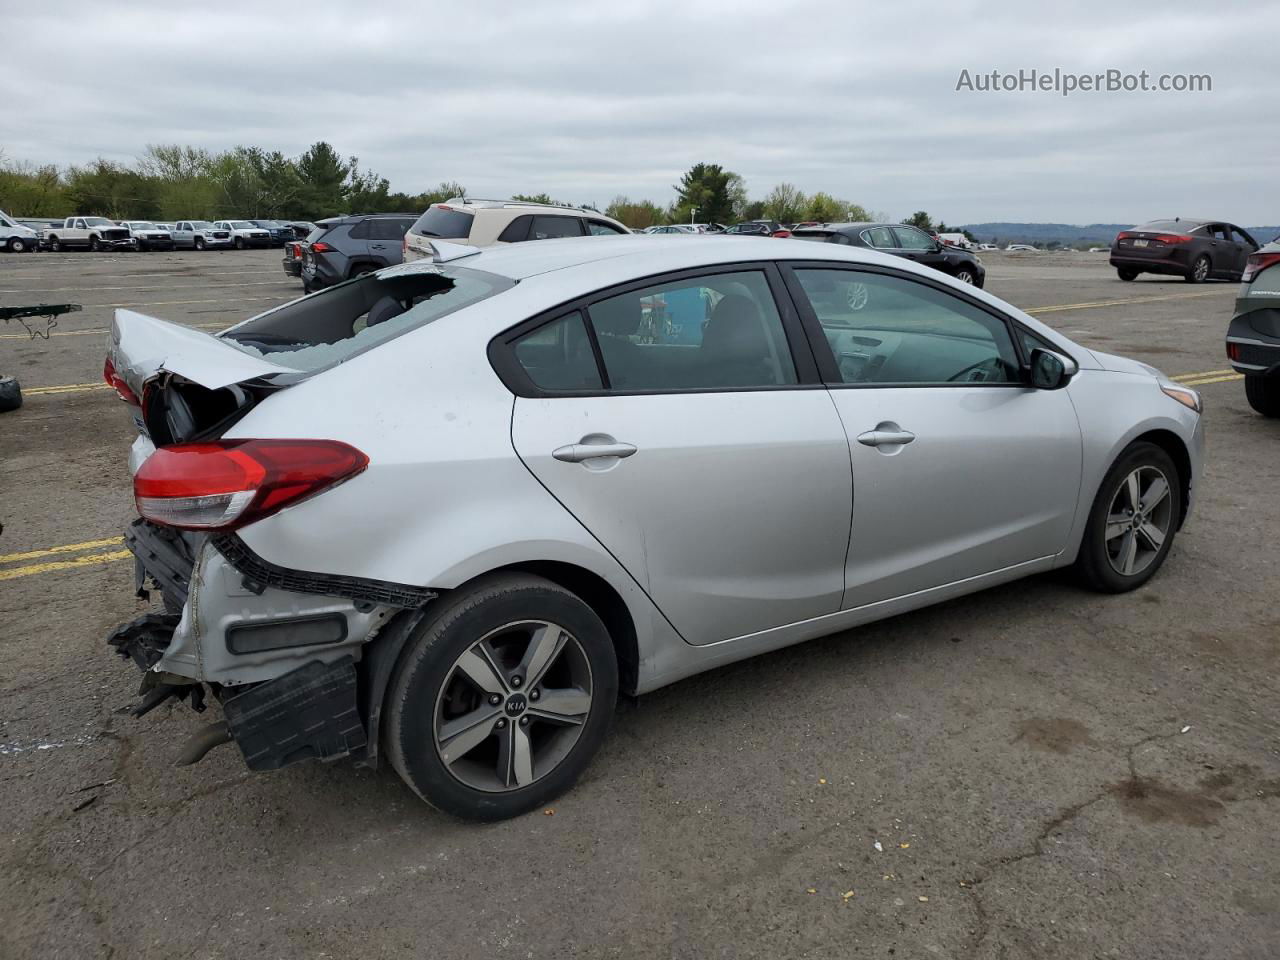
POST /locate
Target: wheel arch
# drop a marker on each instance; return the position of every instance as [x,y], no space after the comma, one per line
[1172,444]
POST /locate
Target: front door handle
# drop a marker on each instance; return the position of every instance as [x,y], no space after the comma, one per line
[588,450]
[885,438]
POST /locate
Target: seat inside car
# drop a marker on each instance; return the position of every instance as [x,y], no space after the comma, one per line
[735,350]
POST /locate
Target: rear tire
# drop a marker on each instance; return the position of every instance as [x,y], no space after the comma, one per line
[239,243]
[1117,526]
[431,691]
[1127,275]
[1199,271]
[10,394]
[1263,393]
[95,245]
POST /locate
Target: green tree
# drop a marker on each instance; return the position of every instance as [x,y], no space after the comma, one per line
[107,189]
[532,197]
[324,180]
[785,203]
[752,210]
[825,208]
[29,191]
[919,219]
[707,192]
[638,214]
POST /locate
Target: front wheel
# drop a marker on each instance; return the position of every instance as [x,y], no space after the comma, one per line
[55,245]
[502,698]
[1127,275]
[1133,521]
[1263,393]
[16,245]
[199,243]
[1199,271]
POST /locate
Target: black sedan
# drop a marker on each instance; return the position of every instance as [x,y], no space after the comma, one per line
[1196,250]
[900,240]
[1253,339]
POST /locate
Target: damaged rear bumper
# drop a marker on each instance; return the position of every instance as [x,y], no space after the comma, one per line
[279,649]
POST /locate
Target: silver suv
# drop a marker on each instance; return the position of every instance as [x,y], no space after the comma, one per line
[482,223]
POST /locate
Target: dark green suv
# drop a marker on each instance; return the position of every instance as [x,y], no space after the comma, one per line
[1253,338]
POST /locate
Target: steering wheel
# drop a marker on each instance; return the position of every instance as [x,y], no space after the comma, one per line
[991,364]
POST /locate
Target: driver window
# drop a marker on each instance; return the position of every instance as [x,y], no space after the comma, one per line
[909,238]
[885,329]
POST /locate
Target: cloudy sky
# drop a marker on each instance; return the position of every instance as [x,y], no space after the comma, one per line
[587,100]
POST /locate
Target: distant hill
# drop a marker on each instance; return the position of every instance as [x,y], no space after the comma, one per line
[1070,234]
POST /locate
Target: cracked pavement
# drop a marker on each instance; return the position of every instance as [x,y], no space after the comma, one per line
[1018,755]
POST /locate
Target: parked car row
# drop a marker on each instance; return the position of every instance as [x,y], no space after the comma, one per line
[102,233]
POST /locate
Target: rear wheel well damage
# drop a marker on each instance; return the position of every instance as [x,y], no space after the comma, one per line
[1172,444]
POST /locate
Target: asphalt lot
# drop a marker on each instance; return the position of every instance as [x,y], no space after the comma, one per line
[1034,771]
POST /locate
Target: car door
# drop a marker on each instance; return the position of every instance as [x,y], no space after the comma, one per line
[703,454]
[1222,249]
[959,469]
[385,237]
[1245,245]
[915,244]
[184,234]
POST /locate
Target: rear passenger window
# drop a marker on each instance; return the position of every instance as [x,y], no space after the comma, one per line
[516,231]
[880,237]
[714,332]
[549,228]
[558,356]
[387,229]
[360,231]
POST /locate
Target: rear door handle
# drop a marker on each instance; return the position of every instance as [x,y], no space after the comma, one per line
[885,438]
[578,452]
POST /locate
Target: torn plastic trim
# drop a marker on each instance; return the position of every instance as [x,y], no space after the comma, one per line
[163,555]
[261,573]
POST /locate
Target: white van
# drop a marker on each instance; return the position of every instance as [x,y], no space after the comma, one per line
[16,238]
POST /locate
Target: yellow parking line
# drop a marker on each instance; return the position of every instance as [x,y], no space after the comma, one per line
[1201,383]
[88,561]
[69,388]
[65,548]
[1183,377]
[1054,308]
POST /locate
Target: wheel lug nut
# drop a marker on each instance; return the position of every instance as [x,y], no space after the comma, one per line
[495,699]
[524,721]
[501,724]
[534,694]
[517,680]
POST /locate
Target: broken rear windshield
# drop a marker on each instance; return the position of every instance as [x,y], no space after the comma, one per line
[335,325]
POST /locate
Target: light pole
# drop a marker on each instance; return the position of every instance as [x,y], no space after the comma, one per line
[692,213]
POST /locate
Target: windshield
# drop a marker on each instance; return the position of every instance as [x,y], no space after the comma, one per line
[142,225]
[199,224]
[98,222]
[241,225]
[321,331]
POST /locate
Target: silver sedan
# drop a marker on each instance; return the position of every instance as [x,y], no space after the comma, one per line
[443,514]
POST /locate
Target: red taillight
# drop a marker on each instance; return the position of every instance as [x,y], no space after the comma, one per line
[1172,238]
[297,251]
[227,484]
[1233,351]
[1124,235]
[782,234]
[116,383]
[320,247]
[1256,263]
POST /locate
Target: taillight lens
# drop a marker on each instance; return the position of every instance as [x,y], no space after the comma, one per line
[320,247]
[1233,351]
[1124,235]
[228,484]
[116,382]
[1256,263]
[1172,238]
[296,252]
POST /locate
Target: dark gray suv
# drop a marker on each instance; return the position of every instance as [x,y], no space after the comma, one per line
[342,247]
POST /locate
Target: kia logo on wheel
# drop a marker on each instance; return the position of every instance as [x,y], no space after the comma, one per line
[516,704]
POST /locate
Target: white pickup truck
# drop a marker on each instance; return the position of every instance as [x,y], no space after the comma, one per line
[90,233]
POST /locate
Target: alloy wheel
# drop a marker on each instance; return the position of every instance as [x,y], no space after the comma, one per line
[1138,521]
[964,276]
[513,706]
[857,296]
[1202,270]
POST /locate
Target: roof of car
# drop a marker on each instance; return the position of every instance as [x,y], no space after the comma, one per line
[354,218]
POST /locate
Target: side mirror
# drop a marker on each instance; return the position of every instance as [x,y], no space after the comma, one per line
[1050,371]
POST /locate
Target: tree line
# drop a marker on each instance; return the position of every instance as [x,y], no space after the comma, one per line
[172,181]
